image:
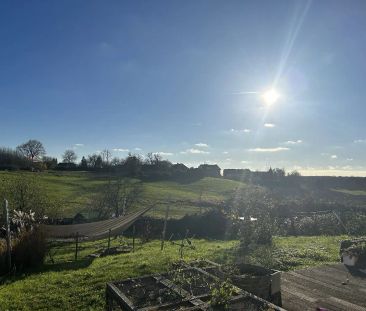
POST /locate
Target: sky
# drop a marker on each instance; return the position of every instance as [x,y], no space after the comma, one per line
[186,79]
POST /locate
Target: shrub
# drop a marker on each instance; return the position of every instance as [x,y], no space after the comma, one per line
[356,224]
[29,249]
[2,256]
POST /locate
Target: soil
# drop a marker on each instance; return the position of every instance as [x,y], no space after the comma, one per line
[147,292]
[192,281]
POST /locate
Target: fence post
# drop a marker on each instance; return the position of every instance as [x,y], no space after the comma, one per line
[109,239]
[164,228]
[133,237]
[76,246]
[8,237]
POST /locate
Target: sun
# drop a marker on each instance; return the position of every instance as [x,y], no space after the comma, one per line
[270,96]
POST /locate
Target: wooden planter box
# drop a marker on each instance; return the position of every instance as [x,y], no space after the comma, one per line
[172,291]
[262,282]
[145,293]
[353,253]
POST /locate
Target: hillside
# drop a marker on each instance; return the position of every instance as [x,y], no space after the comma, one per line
[75,189]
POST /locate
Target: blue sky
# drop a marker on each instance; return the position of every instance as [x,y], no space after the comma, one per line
[186,78]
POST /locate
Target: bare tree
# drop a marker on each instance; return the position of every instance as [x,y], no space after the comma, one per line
[153,158]
[116,198]
[32,149]
[92,160]
[69,156]
[106,156]
[116,161]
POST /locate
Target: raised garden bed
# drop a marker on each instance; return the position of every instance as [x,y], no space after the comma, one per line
[183,288]
[145,293]
[353,253]
[193,281]
[262,282]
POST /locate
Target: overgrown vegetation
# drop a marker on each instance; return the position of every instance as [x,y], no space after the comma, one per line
[69,285]
[28,244]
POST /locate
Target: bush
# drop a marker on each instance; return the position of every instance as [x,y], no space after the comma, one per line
[210,224]
[2,256]
[28,251]
[356,224]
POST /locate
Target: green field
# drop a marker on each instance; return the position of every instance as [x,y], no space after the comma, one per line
[69,285]
[75,189]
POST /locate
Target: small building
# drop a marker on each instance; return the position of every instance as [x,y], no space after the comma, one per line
[208,170]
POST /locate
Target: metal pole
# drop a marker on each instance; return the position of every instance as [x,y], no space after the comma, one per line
[76,246]
[133,238]
[109,239]
[8,237]
[164,228]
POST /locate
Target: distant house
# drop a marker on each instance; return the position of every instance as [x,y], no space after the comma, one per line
[180,167]
[238,174]
[208,170]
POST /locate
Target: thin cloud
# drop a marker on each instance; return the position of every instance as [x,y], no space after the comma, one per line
[269,125]
[333,156]
[347,167]
[162,153]
[359,141]
[76,146]
[194,151]
[201,145]
[120,150]
[293,142]
[225,152]
[138,149]
[277,149]
[234,131]
[244,92]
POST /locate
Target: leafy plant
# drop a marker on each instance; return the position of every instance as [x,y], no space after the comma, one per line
[221,292]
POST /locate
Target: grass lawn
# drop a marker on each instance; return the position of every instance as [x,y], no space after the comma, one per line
[75,189]
[69,285]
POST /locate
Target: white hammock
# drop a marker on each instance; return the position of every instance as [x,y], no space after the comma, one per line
[93,230]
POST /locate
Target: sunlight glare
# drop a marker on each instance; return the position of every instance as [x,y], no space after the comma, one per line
[270,96]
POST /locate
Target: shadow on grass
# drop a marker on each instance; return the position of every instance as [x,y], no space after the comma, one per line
[49,267]
[67,265]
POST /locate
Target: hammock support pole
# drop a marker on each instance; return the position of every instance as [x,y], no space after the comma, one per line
[8,236]
[76,246]
[109,239]
[164,228]
[133,238]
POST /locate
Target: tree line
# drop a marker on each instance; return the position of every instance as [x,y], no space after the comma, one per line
[31,155]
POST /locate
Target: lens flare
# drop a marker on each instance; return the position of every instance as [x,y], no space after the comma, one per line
[270,97]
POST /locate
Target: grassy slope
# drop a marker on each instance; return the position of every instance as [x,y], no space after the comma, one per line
[74,190]
[67,285]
